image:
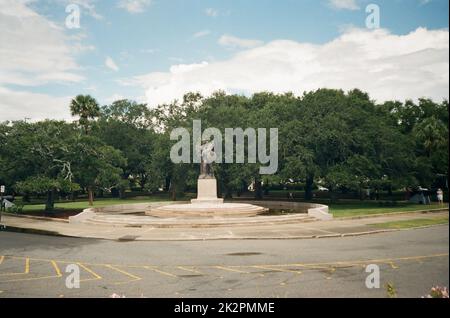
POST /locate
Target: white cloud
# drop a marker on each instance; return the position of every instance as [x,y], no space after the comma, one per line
[210,12]
[34,50]
[18,105]
[344,4]
[235,42]
[134,6]
[88,6]
[202,33]
[109,62]
[113,98]
[385,65]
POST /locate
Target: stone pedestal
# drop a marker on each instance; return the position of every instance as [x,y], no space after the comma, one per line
[207,192]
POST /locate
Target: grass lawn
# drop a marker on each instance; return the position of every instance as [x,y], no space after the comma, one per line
[406,224]
[80,205]
[339,209]
[359,208]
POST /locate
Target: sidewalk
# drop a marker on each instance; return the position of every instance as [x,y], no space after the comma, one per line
[334,228]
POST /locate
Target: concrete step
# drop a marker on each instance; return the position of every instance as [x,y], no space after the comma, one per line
[128,221]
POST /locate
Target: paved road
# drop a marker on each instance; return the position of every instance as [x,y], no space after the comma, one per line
[413,261]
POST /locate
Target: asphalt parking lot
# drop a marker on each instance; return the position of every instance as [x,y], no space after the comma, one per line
[411,261]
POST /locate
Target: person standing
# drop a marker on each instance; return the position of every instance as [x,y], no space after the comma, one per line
[440,196]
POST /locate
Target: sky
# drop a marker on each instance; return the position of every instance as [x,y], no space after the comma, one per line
[154,51]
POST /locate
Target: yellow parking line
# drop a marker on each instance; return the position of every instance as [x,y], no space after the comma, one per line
[237,268]
[273,267]
[417,258]
[393,266]
[134,277]
[27,266]
[96,276]
[231,269]
[330,268]
[57,270]
[189,270]
[362,262]
[25,271]
[160,271]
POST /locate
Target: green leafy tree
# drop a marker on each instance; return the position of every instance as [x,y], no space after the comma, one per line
[87,108]
[96,165]
[48,186]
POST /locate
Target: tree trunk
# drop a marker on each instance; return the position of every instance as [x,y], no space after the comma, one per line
[243,188]
[258,189]
[390,193]
[167,184]
[228,194]
[174,194]
[332,194]
[73,196]
[266,187]
[91,196]
[142,182]
[115,192]
[50,203]
[223,187]
[309,187]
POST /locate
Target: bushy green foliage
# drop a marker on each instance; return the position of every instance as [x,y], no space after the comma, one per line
[341,140]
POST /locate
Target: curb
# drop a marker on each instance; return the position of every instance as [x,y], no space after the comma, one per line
[337,235]
[16,229]
[19,229]
[41,218]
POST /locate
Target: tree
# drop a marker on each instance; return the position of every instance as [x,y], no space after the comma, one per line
[96,165]
[127,126]
[38,158]
[87,108]
[48,186]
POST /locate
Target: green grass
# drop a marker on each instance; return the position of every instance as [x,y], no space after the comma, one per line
[359,208]
[406,224]
[80,205]
[340,209]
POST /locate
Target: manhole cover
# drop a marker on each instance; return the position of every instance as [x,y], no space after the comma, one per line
[244,254]
[127,238]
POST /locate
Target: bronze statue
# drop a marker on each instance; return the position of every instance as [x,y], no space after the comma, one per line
[207,157]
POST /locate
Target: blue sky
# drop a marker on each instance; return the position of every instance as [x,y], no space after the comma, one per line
[145,40]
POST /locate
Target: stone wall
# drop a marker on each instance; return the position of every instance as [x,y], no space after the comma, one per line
[318,211]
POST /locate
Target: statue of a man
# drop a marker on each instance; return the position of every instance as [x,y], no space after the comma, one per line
[207,157]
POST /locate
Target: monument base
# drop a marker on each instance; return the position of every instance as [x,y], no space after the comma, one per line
[207,204]
[207,201]
[207,192]
[206,209]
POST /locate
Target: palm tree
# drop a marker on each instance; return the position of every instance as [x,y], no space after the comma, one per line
[432,134]
[87,108]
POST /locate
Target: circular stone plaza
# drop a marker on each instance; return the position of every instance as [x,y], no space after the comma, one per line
[184,215]
[206,211]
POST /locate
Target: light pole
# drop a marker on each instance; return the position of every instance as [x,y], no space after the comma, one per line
[2,191]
